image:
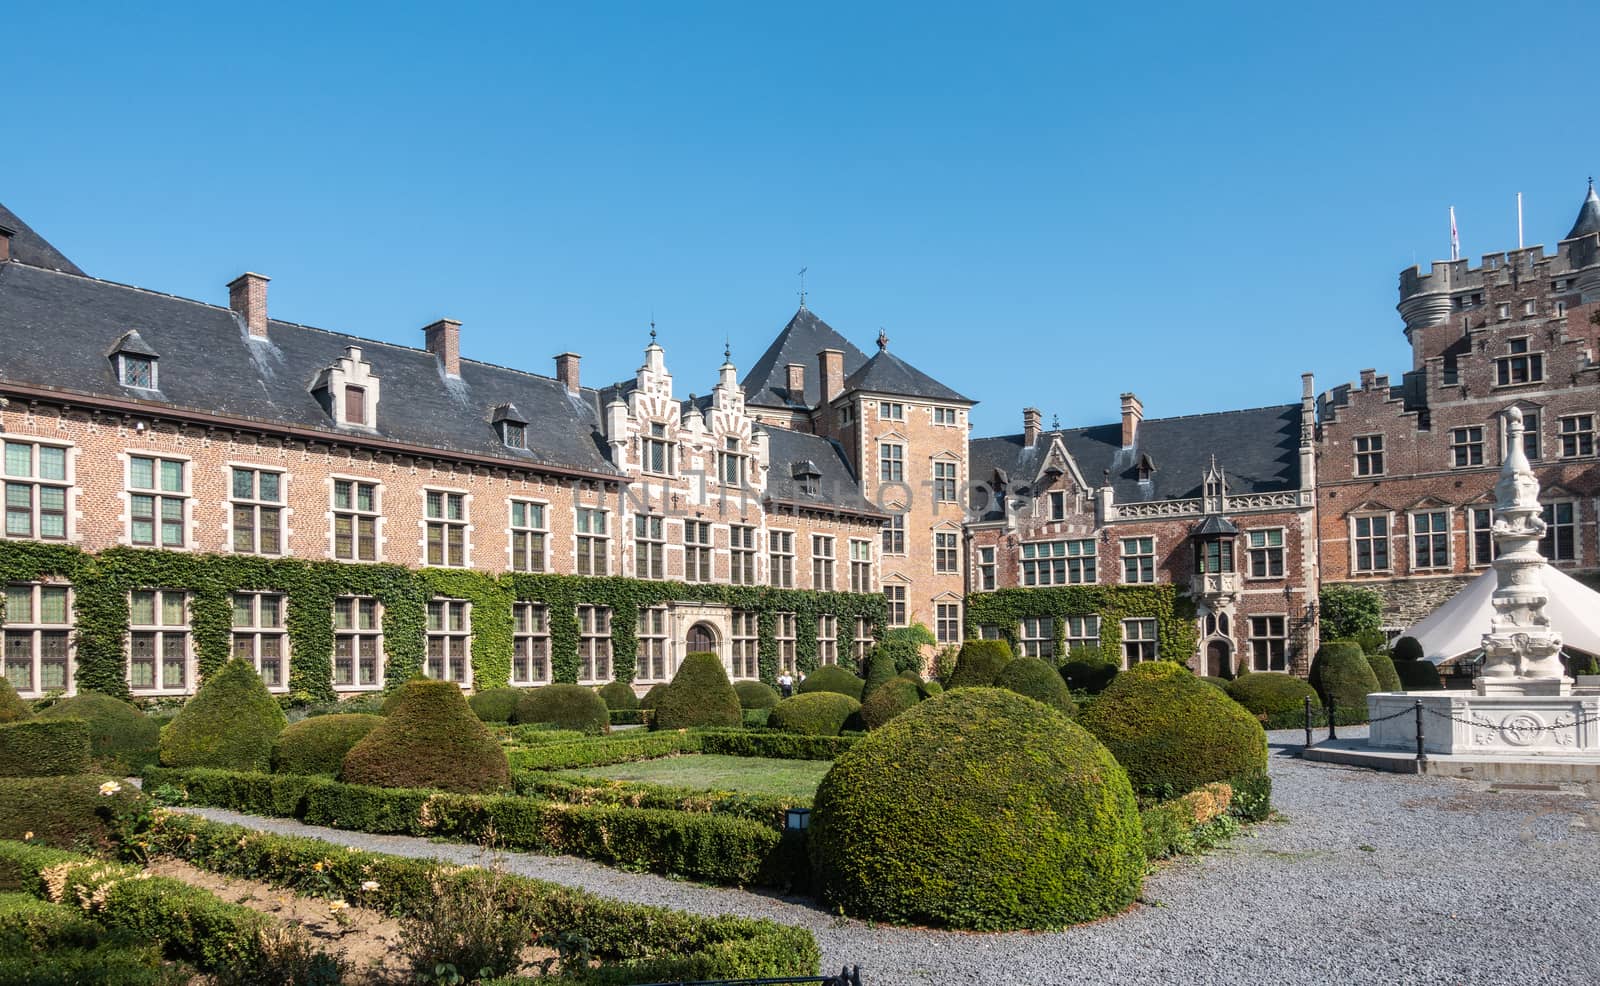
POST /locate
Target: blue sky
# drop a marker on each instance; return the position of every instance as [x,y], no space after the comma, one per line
[1040,204]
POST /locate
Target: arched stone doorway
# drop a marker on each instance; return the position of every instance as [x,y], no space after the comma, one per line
[1219,659]
[701,639]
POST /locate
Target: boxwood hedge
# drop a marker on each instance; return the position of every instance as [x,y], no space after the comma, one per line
[832,678]
[495,704]
[565,707]
[430,739]
[1039,681]
[699,695]
[12,707]
[318,745]
[1342,675]
[979,663]
[822,713]
[44,747]
[67,811]
[122,739]
[1275,698]
[230,722]
[889,700]
[755,695]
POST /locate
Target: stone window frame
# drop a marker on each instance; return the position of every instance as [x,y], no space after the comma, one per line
[1036,636]
[824,562]
[185,494]
[356,515]
[652,660]
[258,507]
[1579,437]
[861,565]
[530,643]
[649,546]
[699,553]
[785,634]
[1532,435]
[892,533]
[1257,643]
[1147,648]
[528,544]
[161,629]
[744,652]
[891,410]
[1412,535]
[1388,541]
[1282,549]
[1474,558]
[862,642]
[827,639]
[1576,528]
[987,568]
[127,362]
[650,440]
[743,554]
[952,416]
[1154,556]
[1077,631]
[1467,442]
[781,557]
[896,596]
[591,549]
[35,629]
[946,488]
[36,484]
[358,635]
[891,462]
[1044,565]
[1056,505]
[594,644]
[446,524]
[946,552]
[947,622]
[256,632]
[732,462]
[449,636]
[1505,363]
[1369,456]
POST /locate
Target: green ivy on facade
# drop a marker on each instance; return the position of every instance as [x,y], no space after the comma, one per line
[1172,609]
[102,584]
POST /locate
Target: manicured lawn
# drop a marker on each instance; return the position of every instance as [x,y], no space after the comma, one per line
[710,772]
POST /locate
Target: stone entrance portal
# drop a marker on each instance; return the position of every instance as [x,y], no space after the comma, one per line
[1219,659]
[702,639]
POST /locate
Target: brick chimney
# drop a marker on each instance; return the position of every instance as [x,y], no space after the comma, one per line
[797,382]
[567,370]
[247,296]
[444,341]
[1132,414]
[1032,425]
[5,244]
[830,363]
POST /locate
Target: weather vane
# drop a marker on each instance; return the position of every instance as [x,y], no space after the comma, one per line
[803,286]
[883,339]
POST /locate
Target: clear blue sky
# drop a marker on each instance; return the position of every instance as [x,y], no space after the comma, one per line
[1043,204]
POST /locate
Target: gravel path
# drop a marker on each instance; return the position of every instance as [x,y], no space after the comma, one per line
[1368,878]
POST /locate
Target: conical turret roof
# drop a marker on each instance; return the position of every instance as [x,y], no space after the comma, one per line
[1588,216]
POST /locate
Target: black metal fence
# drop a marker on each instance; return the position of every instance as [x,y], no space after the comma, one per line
[850,976]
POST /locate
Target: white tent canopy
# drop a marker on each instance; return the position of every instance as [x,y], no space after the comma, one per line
[1457,628]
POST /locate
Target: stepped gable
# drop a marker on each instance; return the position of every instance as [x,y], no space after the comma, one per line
[1257,449]
[28,247]
[57,331]
[806,335]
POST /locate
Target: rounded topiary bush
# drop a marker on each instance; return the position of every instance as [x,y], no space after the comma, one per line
[565,707]
[893,697]
[122,739]
[1039,681]
[1383,669]
[979,663]
[1275,698]
[430,739]
[1342,675]
[1087,670]
[230,723]
[700,695]
[12,707]
[318,745]
[619,696]
[832,678]
[1418,676]
[1212,679]
[979,809]
[1407,649]
[756,695]
[814,714]
[494,704]
[652,695]
[1173,732]
[44,747]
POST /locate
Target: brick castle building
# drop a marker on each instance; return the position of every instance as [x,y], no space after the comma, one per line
[186,481]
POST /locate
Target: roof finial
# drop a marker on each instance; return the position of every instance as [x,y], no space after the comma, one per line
[883,340]
[803,286]
[1055,422]
[652,326]
[727,349]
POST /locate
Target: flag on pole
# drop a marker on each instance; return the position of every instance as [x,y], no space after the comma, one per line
[1455,238]
[1519,220]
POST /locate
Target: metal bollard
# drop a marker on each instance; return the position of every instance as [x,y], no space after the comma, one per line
[1308,721]
[1333,734]
[1421,756]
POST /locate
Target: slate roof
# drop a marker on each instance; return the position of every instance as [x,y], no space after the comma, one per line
[837,485]
[1588,215]
[1257,449]
[56,330]
[887,373]
[30,248]
[806,335]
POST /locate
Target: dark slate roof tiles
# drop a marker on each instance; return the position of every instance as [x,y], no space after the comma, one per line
[887,373]
[28,247]
[792,454]
[806,335]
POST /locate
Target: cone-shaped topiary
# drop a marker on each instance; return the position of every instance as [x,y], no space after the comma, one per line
[756,694]
[431,739]
[565,707]
[1275,698]
[1173,732]
[653,695]
[832,678]
[978,809]
[1407,649]
[1383,670]
[814,714]
[12,707]
[619,696]
[122,739]
[318,745]
[895,696]
[700,695]
[979,663]
[230,723]
[493,704]
[880,668]
[1418,676]
[1342,675]
[1039,681]
[393,698]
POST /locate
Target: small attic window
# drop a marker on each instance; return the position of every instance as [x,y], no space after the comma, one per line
[134,362]
[139,371]
[515,435]
[808,476]
[1146,467]
[355,405]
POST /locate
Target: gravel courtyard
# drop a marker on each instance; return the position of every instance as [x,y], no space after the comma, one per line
[1368,878]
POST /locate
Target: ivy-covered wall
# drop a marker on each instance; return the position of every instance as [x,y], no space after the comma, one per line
[102,583]
[1173,610]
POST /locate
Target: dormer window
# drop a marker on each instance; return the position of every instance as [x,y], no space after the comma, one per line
[1146,467]
[355,405]
[135,362]
[348,390]
[511,425]
[808,477]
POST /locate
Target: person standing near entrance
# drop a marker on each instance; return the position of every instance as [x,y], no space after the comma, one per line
[785,685]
